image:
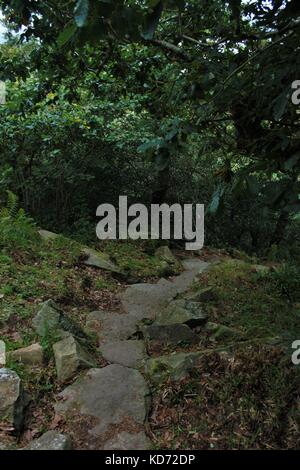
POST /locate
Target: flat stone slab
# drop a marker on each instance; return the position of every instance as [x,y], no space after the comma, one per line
[193,267]
[130,353]
[144,301]
[126,441]
[111,326]
[51,440]
[109,396]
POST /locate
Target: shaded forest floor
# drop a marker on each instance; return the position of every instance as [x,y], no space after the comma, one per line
[244,391]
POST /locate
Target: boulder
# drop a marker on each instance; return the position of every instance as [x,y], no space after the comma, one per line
[2,353]
[127,441]
[69,357]
[130,353]
[175,366]
[182,311]
[100,260]
[170,334]
[12,401]
[51,440]
[32,355]
[165,254]
[51,320]
[107,397]
[47,235]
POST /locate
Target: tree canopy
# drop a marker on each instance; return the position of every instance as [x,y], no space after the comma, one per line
[216,73]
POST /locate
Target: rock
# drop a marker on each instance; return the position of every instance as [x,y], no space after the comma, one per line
[182,311]
[126,441]
[129,353]
[46,235]
[202,295]
[170,334]
[220,332]
[193,267]
[32,355]
[2,353]
[69,357]
[51,440]
[50,319]
[174,366]
[142,301]
[165,254]
[47,319]
[12,401]
[111,326]
[100,260]
[107,397]
[260,268]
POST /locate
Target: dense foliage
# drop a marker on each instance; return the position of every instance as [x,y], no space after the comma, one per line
[159,100]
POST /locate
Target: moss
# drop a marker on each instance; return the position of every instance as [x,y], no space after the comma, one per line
[136,260]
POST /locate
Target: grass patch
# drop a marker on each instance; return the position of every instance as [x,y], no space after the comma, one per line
[255,303]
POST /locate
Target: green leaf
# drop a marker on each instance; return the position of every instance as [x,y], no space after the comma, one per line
[152,21]
[66,35]
[81,12]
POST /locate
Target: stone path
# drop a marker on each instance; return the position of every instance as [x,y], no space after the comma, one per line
[107,408]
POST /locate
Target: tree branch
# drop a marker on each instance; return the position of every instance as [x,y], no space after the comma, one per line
[171,47]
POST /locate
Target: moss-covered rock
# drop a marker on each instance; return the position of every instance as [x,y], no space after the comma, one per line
[222,332]
[169,334]
[98,259]
[182,311]
[206,294]
[174,366]
[51,320]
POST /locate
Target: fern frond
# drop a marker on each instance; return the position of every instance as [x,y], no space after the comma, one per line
[12,204]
